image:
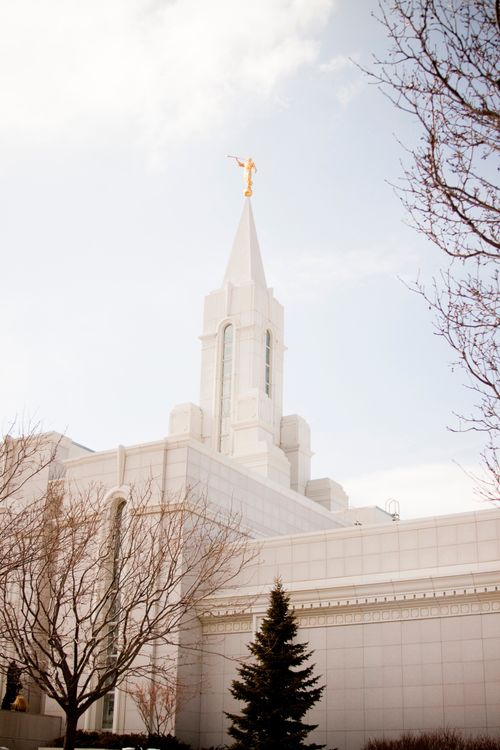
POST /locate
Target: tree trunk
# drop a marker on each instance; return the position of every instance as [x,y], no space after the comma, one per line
[70,734]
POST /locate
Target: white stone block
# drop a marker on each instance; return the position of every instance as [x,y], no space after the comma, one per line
[295,442]
[354,678]
[374,717]
[454,716]
[432,717]
[432,695]
[186,421]
[374,677]
[327,493]
[392,719]
[393,697]
[412,717]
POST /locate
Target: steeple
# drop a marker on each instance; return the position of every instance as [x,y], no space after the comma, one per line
[240,415]
[242,362]
[241,391]
[245,263]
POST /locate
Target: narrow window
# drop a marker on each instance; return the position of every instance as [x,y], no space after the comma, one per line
[225,389]
[108,702]
[267,368]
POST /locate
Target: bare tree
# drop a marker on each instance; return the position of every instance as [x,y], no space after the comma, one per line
[116,579]
[26,455]
[25,452]
[157,703]
[443,69]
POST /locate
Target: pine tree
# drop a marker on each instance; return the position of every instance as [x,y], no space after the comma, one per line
[277,692]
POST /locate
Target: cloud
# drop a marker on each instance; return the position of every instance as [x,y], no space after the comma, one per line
[422,490]
[315,275]
[161,70]
[348,78]
[336,64]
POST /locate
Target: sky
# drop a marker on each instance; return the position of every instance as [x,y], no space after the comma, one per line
[120,207]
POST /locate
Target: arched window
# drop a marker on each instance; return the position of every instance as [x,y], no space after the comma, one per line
[267,366]
[116,530]
[225,388]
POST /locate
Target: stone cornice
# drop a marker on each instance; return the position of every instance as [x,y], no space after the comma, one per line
[451,603]
[435,592]
[402,526]
[409,583]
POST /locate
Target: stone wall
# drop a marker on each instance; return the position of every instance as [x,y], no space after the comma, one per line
[20,731]
[404,622]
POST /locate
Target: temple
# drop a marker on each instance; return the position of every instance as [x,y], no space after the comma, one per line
[403,616]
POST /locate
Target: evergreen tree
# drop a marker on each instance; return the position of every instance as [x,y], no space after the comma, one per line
[276,690]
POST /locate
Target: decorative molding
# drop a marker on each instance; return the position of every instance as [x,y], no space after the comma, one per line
[400,607]
[394,614]
[228,626]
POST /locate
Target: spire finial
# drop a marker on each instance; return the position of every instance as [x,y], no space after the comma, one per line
[245,264]
[249,167]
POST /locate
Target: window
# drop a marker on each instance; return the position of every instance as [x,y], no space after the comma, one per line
[225,389]
[108,702]
[267,367]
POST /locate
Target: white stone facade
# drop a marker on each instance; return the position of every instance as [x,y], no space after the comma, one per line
[404,621]
[403,617]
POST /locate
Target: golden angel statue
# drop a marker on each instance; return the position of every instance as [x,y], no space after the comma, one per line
[249,167]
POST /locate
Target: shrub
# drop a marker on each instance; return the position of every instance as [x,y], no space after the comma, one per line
[118,741]
[441,739]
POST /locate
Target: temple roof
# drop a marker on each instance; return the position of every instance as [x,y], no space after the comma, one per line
[245,264]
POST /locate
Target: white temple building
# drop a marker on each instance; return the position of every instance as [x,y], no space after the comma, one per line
[403,616]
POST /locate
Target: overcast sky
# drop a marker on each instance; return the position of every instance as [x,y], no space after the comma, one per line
[120,206]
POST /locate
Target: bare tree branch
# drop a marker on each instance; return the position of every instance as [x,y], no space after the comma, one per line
[443,68]
[27,460]
[157,700]
[25,452]
[113,580]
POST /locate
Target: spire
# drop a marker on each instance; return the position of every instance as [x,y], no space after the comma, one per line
[245,263]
